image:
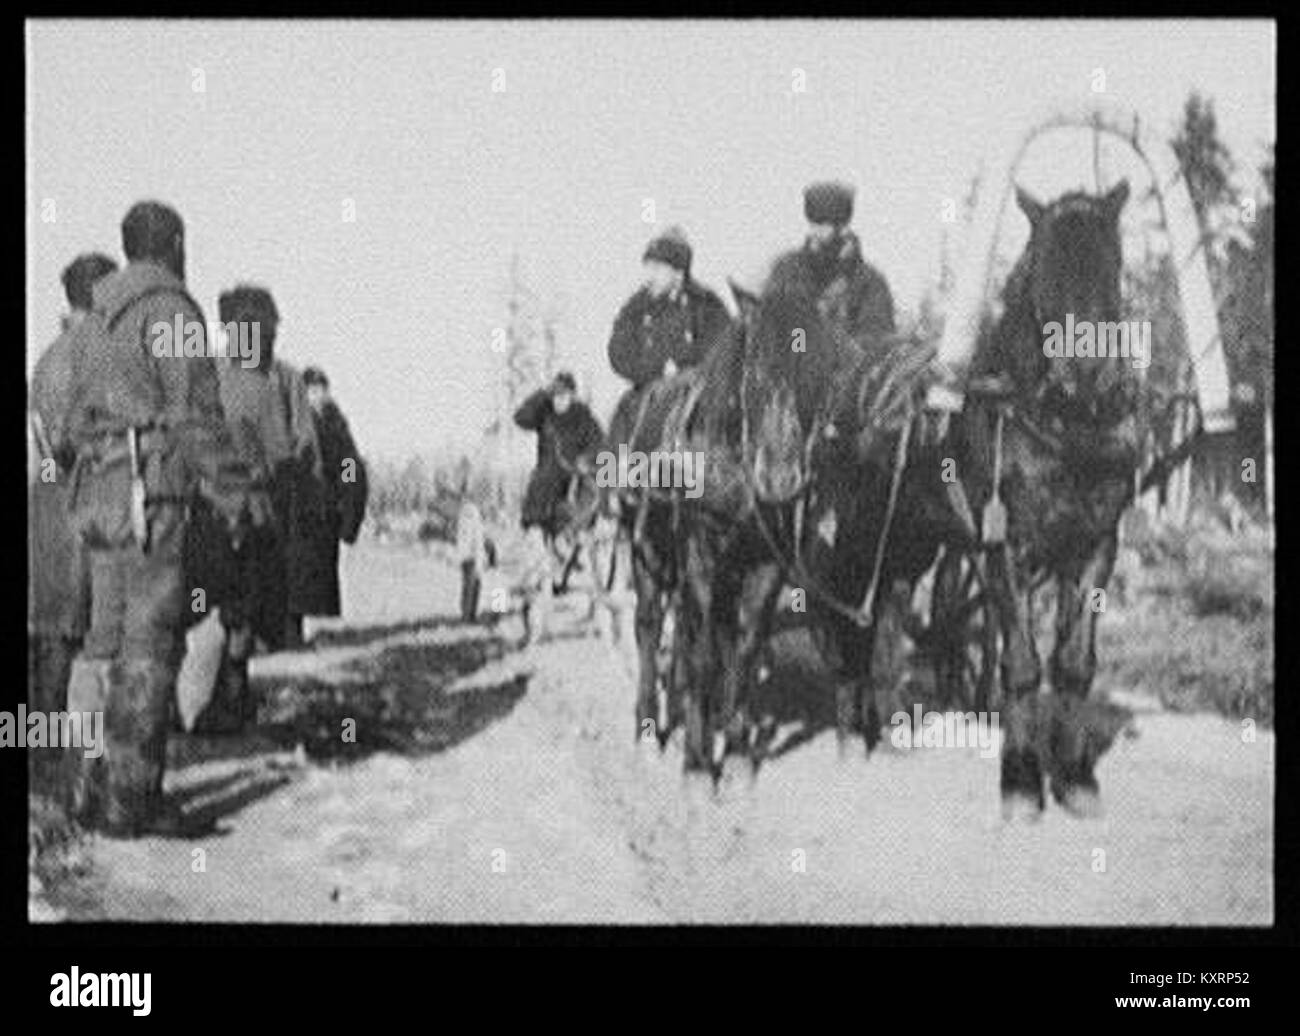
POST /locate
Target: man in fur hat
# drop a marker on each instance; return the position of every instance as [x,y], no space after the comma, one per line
[667,325]
[851,294]
[244,567]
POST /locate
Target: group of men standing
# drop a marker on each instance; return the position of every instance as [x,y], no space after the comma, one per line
[167,488]
[671,321]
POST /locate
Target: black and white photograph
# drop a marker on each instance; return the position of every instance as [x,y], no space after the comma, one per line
[628,473]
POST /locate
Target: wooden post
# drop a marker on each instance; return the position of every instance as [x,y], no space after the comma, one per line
[1181,485]
[1268,455]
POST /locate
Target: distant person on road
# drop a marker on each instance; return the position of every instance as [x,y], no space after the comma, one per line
[568,436]
[471,551]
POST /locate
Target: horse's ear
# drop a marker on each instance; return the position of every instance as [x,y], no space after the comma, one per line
[746,301]
[1116,197]
[1029,205]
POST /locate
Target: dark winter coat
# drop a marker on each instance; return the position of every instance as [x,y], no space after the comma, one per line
[323,511]
[58,576]
[561,440]
[650,331]
[273,432]
[852,295]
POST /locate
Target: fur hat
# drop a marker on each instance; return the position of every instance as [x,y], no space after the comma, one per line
[247,302]
[829,202]
[670,247]
[81,274]
[564,381]
[150,229]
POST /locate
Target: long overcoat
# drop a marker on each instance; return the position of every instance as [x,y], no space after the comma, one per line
[649,331]
[323,511]
[561,440]
[58,573]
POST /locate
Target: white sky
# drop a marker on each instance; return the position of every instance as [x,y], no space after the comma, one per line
[449,178]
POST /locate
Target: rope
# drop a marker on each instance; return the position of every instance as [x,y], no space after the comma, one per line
[900,461]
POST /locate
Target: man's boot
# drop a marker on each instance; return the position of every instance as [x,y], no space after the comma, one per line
[240,691]
[227,711]
[86,782]
[136,731]
[50,660]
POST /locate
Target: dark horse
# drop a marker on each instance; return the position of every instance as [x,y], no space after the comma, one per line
[814,476]
[874,510]
[741,431]
[781,413]
[1065,442]
[1061,434]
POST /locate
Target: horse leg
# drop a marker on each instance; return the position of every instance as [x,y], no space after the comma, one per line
[759,590]
[699,611]
[649,628]
[854,705]
[679,675]
[599,556]
[1022,772]
[884,663]
[1072,667]
[948,643]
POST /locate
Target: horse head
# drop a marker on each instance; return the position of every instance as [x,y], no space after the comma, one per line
[777,387]
[1067,286]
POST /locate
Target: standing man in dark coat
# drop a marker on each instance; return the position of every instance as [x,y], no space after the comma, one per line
[58,573]
[146,422]
[568,435]
[244,568]
[852,295]
[667,325]
[330,508]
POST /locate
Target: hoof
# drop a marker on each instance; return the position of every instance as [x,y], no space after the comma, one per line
[661,706]
[870,728]
[718,751]
[693,760]
[1018,806]
[761,739]
[1079,801]
[735,772]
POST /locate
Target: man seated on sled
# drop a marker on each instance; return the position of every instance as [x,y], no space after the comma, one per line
[852,295]
[666,326]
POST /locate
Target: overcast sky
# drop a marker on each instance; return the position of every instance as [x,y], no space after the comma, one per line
[449,177]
